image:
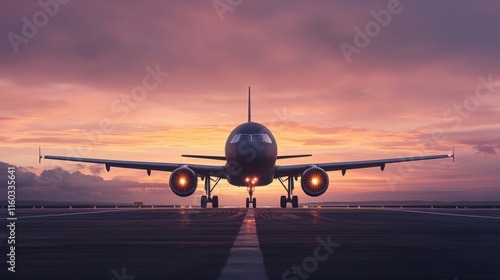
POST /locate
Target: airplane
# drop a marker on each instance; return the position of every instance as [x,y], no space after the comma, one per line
[251,153]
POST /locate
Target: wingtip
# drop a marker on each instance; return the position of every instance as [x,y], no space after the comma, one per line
[39,155]
[452,153]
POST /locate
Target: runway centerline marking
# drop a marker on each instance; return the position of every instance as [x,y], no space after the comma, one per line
[446,214]
[245,259]
[69,214]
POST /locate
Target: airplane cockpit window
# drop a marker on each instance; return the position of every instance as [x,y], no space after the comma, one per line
[257,138]
[261,137]
[245,137]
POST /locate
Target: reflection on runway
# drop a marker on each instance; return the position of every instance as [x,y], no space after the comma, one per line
[287,243]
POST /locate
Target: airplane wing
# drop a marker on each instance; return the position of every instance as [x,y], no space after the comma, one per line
[297,170]
[200,170]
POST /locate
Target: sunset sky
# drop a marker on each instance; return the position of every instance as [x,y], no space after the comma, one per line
[342,80]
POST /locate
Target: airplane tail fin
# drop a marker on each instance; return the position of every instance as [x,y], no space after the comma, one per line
[249,106]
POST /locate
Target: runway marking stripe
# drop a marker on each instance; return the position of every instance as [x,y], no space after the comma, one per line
[245,259]
[446,214]
[68,214]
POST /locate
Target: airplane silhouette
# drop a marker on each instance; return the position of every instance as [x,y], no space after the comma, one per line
[250,159]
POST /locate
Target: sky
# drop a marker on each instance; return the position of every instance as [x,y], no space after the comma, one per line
[342,80]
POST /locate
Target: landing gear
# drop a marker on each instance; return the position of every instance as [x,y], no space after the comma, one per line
[253,201]
[215,201]
[250,189]
[205,199]
[283,201]
[294,200]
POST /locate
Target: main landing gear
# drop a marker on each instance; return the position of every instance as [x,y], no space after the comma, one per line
[205,199]
[294,200]
[250,189]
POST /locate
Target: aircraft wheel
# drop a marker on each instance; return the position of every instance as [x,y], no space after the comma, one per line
[248,202]
[283,201]
[295,201]
[215,201]
[204,201]
[254,202]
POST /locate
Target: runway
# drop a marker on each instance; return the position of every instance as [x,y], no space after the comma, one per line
[136,244]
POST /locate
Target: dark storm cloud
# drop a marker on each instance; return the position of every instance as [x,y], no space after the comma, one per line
[57,182]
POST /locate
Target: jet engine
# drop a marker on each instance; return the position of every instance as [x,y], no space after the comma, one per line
[183,181]
[314,181]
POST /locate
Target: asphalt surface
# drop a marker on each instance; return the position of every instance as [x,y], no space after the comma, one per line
[136,244]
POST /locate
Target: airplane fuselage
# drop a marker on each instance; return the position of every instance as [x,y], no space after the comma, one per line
[251,153]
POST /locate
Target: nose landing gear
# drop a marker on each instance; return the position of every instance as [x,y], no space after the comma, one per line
[251,188]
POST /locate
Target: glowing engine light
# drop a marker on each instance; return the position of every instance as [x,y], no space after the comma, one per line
[247,179]
[183,181]
[315,181]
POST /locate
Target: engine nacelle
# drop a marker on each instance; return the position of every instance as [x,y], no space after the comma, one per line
[183,181]
[314,181]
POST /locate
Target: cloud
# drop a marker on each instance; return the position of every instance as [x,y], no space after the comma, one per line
[96,169]
[24,178]
[113,54]
[58,184]
[486,150]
